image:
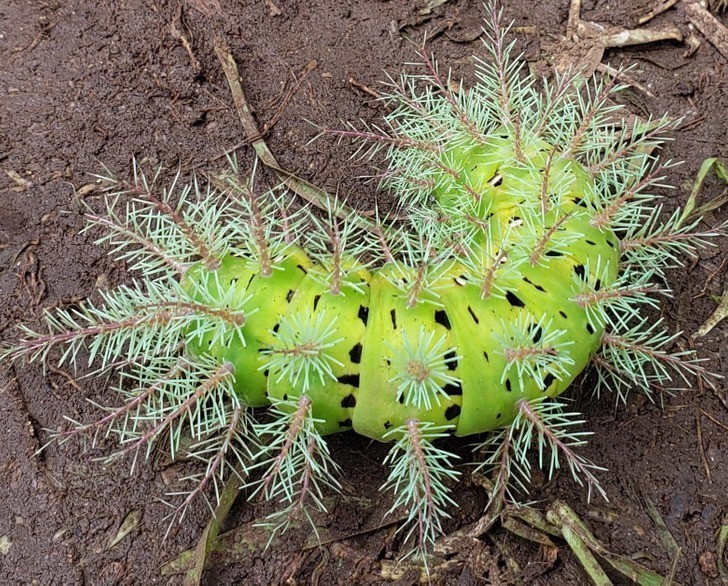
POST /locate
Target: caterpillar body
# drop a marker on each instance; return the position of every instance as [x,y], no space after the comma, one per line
[527,246]
[473,322]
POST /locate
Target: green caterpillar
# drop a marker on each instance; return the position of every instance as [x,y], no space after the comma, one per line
[375,367]
[526,245]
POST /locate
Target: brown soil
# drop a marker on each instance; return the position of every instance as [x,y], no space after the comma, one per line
[89,82]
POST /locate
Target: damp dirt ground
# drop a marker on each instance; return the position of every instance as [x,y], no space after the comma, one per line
[86,83]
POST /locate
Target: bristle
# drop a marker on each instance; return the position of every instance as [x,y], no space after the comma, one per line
[419,473]
[422,369]
[299,352]
[297,463]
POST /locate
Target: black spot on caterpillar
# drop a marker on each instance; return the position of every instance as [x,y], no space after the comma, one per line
[451,359]
[538,287]
[393,317]
[349,379]
[548,381]
[348,402]
[363,314]
[355,353]
[452,412]
[472,314]
[316,300]
[509,388]
[453,389]
[289,295]
[345,423]
[580,271]
[537,333]
[442,319]
[514,300]
[553,253]
[589,328]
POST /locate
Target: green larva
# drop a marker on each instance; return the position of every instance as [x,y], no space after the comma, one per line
[526,245]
